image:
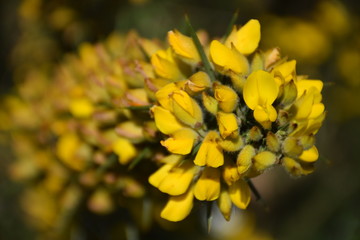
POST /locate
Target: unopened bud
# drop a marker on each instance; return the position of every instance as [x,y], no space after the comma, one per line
[272,142]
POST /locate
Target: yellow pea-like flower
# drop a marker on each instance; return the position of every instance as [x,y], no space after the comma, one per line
[310,155]
[226,96]
[228,125]
[124,149]
[240,194]
[181,141]
[286,69]
[173,180]
[178,207]
[186,109]
[207,187]
[226,59]
[260,91]
[163,95]
[198,82]
[306,84]
[230,173]
[210,103]
[183,46]
[210,152]
[246,39]
[165,65]
[66,150]
[81,107]
[165,121]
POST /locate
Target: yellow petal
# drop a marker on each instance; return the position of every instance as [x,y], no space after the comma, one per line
[228,59]
[247,38]
[163,95]
[303,105]
[210,153]
[244,159]
[207,187]
[230,173]
[264,160]
[178,179]
[198,82]
[316,110]
[124,149]
[225,204]
[226,96]
[240,194]
[66,149]
[178,207]
[210,103]
[181,141]
[262,114]
[81,107]
[157,177]
[228,125]
[186,109]
[165,66]
[287,70]
[183,45]
[310,155]
[260,89]
[306,85]
[165,121]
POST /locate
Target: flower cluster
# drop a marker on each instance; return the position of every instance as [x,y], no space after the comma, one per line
[76,134]
[229,123]
[211,115]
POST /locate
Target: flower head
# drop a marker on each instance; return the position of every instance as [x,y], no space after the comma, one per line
[256,114]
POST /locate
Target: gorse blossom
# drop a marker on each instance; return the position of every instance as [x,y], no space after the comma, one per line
[254,114]
[211,115]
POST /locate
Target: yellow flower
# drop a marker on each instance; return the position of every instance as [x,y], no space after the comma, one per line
[226,97]
[207,186]
[228,125]
[226,59]
[183,46]
[210,152]
[81,107]
[178,207]
[124,149]
[240,194]
[165,121]
[246,39]
[186,109]
[198,82]
[173,179]
[260,91]
[181,141]
[165,65]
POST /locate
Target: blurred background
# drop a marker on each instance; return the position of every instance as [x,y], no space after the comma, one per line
[324,38]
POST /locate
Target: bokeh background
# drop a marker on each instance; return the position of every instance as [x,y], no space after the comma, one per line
[323,36]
